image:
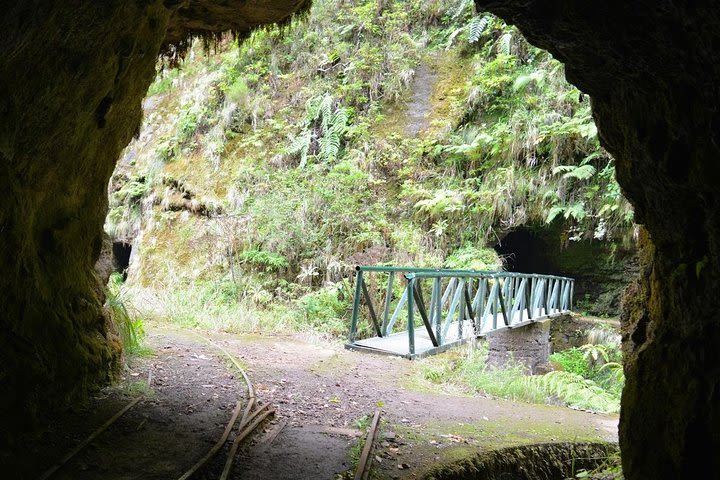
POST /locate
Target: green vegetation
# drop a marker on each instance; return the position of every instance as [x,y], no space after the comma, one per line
[129,324]
[609,469]
[265,171]
[584,378]
[599,361]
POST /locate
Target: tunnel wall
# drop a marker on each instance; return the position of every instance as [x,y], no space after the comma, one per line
[72,78]
[653,73]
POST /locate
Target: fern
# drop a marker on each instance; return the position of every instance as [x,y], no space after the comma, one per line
[522,81]
[581,172]
[130,326]
[340,121]
[325,123]
[325,111]
[616,375]
[553,213]
[264,260]
[330,146]
[476,27]
[577,391]
[504,43]
[575,211]
[594,352]
[451,37]
[300,146]
[312,110]
[462,6]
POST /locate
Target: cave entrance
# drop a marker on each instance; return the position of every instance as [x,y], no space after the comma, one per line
[523,250]
[601,269]
[121,257]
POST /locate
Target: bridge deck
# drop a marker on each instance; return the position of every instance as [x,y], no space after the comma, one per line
[398,343]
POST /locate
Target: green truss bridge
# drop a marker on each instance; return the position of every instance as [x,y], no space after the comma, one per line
[413,312]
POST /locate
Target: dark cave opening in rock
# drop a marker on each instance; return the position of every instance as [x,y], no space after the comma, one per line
[601,269]
[121,257]
[522,250]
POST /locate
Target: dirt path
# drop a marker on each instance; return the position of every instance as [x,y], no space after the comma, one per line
[419,107]
[320,391]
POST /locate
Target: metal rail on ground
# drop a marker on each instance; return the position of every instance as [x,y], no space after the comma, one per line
[463,304]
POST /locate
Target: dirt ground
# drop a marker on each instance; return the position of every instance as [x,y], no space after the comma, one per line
[322,394]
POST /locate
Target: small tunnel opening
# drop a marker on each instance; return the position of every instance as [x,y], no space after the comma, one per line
[121,257]
[524,251]
[601,269]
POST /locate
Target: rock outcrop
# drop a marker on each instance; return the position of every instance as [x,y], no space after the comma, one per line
[653,73]
[72,78]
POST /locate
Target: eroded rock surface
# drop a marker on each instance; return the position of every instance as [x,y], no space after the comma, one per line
[653,76]
[72,79]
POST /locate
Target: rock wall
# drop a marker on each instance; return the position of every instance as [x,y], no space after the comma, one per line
[653,73]
[569,330]
[72,78]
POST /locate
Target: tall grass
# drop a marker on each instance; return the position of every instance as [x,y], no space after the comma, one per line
[218,306]
[125,317]
[194,308]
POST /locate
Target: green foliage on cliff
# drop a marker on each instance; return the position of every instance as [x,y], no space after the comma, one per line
[402,132]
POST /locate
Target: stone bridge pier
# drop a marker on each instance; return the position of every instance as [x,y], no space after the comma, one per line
[530,345]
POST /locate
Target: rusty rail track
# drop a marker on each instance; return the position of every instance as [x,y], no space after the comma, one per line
[249,421]
[364,463]
[52,470]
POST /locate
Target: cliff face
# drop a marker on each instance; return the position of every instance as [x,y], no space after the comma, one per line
[72,78]
[652,75]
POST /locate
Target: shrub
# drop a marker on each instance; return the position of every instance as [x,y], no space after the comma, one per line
[263,260]
[326,310]
[469,257]
[572,360]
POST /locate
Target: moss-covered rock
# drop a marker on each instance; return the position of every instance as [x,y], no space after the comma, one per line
[547,461]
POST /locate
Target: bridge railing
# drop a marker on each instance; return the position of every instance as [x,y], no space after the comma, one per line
[462,303]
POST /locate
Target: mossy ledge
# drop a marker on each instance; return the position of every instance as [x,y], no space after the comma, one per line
[544,461]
